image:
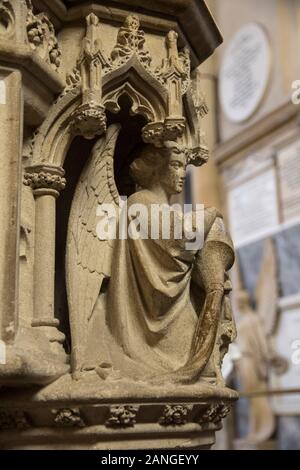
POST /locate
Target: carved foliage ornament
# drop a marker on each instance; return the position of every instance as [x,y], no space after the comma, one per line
[41,36]
[175,415]
[13,420]
[214,413]
[45,180]
[68,417]
[122,416]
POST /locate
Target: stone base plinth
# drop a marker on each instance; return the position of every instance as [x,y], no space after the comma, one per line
[99,415]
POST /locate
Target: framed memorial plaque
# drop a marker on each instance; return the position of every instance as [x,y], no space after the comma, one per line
[245,72]
[253,207]
[289,180]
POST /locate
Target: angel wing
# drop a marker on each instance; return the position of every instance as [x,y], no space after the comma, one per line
[267,288]
[87,257]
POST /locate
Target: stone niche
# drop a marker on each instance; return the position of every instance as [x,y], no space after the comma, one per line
[104,345]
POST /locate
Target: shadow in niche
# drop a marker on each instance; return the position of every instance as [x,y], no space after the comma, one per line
[129,140]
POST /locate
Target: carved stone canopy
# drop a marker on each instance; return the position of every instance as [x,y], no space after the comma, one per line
[162,95]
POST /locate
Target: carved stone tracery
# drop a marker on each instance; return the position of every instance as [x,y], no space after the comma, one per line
[7,18]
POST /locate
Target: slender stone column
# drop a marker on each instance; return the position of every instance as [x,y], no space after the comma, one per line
[46,182]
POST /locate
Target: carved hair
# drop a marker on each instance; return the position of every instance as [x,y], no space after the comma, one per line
[151,161]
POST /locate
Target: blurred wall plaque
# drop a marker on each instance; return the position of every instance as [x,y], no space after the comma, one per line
[253,207]
[245,72]
[289,178]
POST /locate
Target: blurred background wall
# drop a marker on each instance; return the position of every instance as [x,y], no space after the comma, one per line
[254,177]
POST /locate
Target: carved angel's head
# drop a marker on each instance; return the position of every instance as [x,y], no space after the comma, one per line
[165,166]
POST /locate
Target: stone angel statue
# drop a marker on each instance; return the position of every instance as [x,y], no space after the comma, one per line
[148,308]
[257,356]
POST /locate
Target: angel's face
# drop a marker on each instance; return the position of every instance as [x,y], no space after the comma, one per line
[174,174]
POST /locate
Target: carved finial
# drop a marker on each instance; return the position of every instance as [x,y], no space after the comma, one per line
[89,119]
[92,42]
[92,19]
[171,42]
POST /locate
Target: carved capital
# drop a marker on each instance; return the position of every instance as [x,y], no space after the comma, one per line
[45,179]
[122,416]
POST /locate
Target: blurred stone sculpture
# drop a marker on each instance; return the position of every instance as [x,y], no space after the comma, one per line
[255,330]
[146,308]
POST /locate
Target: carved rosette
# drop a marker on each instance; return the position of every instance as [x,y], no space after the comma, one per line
[122,416]
[68,418]
[45,179]
[13,420]
[175,415]
[41,37]
[214,413]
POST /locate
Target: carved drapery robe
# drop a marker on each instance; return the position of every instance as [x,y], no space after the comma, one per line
[143,325]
